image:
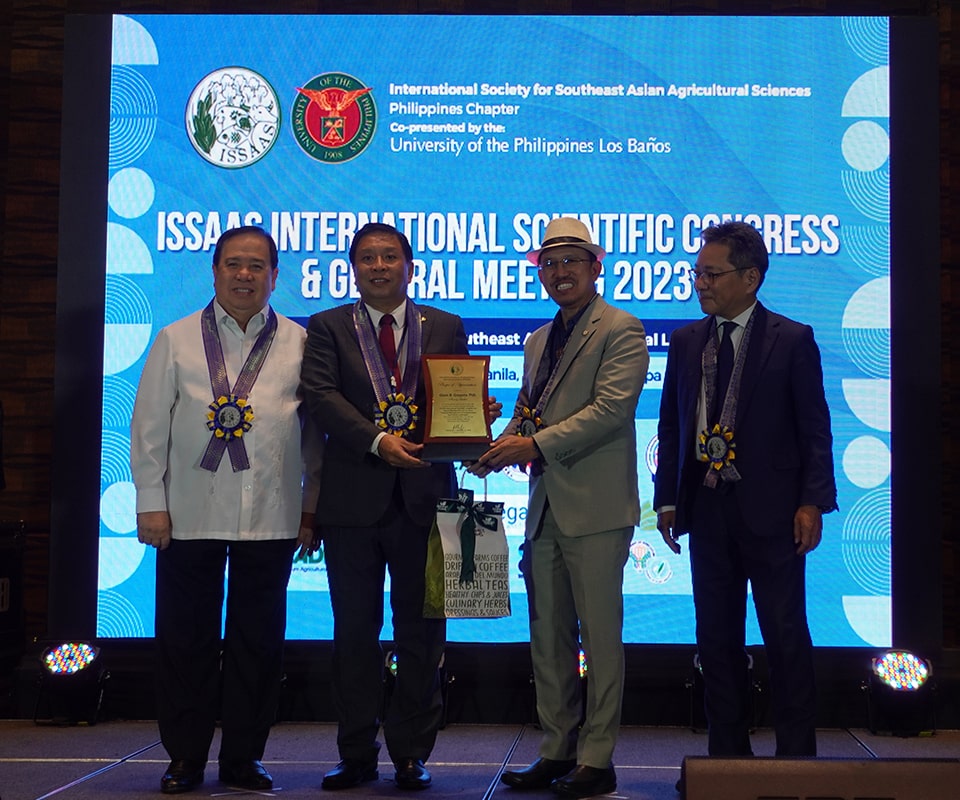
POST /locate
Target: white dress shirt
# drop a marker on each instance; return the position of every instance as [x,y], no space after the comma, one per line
[399,315]
[169,436]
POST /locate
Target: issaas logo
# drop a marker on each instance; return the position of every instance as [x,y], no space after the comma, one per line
[233,117]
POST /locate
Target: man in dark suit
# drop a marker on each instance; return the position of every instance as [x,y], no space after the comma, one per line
[361,372]
[747,471]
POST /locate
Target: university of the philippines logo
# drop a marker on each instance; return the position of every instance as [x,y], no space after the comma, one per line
[334,117]
[233,117]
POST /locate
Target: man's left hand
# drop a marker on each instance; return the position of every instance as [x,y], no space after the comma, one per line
[494,409]
[309,537]
[506,450]
[807,529]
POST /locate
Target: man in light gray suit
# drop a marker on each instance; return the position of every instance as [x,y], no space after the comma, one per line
[574,425]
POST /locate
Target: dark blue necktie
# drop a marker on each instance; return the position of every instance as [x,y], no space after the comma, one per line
[724,367]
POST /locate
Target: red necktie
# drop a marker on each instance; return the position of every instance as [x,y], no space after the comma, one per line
[389,347]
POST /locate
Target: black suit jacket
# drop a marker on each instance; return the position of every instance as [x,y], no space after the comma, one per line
[782,427]
[356,485]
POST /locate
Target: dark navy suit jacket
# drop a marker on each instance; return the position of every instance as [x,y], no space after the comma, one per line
[782,429]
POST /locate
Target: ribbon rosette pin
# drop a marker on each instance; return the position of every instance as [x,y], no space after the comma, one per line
[397,414]
[229,417]
[530,423]
[717,446]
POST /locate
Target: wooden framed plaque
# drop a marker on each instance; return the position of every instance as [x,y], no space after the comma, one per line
[456,427]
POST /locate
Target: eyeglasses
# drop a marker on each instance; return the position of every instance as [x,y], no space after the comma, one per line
[711,277]
[554,263]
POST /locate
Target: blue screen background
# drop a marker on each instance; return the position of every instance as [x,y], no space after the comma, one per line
[622,124]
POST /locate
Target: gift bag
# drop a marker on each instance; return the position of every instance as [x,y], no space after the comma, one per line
[468,570]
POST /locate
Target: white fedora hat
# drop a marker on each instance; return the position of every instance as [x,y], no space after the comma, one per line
[566,230]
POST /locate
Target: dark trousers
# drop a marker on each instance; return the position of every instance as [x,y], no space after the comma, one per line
[724,555]
[357,560]
[201,678]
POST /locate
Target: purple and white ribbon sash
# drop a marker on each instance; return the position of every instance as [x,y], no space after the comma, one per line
[381,376]
[227,401]
[728,413]
[524,414]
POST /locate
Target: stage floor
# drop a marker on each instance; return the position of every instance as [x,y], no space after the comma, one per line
[121,760]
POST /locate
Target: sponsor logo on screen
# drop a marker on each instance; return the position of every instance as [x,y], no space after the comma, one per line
[334,117]
[651,454]
[233,117]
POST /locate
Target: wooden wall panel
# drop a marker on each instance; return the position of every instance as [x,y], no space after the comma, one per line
[949,59]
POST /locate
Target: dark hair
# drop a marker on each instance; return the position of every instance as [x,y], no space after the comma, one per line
[233,232]
[745,244]
[381,227]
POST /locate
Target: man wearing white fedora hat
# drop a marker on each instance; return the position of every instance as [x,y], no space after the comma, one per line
[574,425]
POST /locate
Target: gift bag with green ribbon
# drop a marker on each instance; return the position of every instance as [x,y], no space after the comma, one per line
[468,569]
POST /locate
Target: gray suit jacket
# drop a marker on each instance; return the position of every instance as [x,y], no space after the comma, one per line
[589,441]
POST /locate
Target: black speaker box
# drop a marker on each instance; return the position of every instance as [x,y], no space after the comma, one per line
[821,779]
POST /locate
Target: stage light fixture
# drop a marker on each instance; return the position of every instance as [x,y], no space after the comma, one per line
[901,671]
[69,658]
[71,682]
[900,693]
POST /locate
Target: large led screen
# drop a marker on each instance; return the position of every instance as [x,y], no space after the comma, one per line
[470,134]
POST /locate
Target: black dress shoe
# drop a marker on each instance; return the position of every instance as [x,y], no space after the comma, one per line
[181,776]
[411,774]
[245,774]
[350,772]
[586,782]
[539,775]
